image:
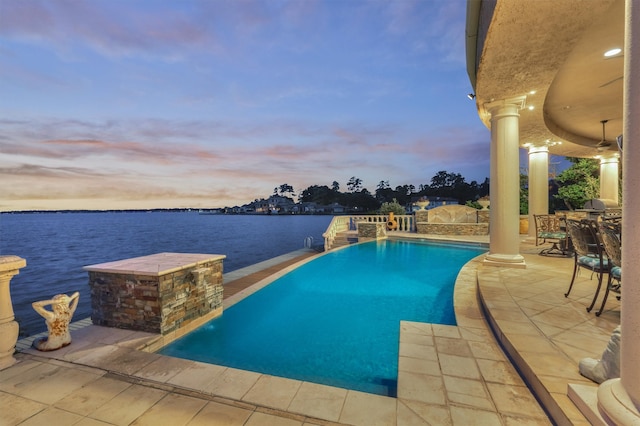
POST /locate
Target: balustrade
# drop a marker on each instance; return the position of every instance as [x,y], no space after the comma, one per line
[406,223]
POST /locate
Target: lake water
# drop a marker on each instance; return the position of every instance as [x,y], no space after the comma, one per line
[57,245]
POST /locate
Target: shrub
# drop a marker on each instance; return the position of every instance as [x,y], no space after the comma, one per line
[392,207]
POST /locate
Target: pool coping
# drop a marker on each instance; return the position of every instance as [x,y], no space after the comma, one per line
[430,382]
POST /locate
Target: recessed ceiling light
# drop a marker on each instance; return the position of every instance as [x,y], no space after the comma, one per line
[612,52]
[531,107]
[533,92]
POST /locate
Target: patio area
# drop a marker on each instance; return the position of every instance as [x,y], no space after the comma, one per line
[447,375]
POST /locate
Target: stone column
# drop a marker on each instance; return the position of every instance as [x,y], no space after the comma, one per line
[504,246]
[9,266]
[619,399]
[538,184]
[609,177]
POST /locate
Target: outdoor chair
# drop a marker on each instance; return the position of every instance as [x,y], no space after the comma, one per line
[588,253]
[610,237]
[549,230]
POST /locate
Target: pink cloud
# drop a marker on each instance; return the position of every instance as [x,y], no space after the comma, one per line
[114,29]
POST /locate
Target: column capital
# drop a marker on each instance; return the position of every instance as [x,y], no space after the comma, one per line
[615,158]
[534,149]
[518,101]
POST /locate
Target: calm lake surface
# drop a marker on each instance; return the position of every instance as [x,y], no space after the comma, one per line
[57,245]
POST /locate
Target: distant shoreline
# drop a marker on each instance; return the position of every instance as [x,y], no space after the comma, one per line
[168,210]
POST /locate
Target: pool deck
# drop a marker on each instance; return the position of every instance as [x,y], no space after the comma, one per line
[448,375]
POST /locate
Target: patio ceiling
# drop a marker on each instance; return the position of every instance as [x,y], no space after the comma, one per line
[555,48]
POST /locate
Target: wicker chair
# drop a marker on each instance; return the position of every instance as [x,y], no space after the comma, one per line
[610,238]
[549,230]
[588,253]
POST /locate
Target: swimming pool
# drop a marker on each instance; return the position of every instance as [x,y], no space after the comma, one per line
[336,319]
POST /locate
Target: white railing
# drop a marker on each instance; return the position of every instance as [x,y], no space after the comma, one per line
[338,224]
[406,223]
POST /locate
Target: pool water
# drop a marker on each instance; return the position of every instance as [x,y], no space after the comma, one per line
[336,319]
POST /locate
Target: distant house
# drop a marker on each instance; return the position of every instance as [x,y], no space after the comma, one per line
[260,206]
[279,204]
[308,208]
[234,210]
[441,201]
[337,208]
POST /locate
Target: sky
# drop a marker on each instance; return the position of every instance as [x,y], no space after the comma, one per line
[133,104]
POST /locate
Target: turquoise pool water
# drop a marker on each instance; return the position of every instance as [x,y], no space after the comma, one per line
[336,319]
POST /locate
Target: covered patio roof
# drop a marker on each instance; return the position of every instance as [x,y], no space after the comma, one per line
[551,52]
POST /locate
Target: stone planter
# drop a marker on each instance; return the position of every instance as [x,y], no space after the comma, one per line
[484,203]
[422,204]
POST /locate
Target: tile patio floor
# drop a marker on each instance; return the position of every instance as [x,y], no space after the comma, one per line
[448,375]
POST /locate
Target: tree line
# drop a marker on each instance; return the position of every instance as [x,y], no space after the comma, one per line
[443,185]
[570,190]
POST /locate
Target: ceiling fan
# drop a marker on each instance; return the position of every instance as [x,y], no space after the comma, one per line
[604,143]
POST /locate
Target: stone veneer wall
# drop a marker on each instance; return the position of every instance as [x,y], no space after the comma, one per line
[452,228]
[371,231]
[452,220]
[422,216]
[156,304]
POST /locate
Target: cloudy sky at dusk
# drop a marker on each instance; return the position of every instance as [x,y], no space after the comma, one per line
[146,104]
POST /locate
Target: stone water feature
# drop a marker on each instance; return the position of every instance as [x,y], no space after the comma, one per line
[452,220]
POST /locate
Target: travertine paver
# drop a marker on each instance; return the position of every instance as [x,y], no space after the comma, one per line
[271,391]
[163,369]
[233,383]
[498,372]
[218,414]
[128,405]
[515,399]
[457,385]
[17,408]
[52,416]
[266,419]
[418,413]
[319,401]
[198,376]
[173,409]
[367,409]
[460,366]
[48,383]
[92,396]
[413,350]
[421,387]
[468,392]
[419,366]
[465,416]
